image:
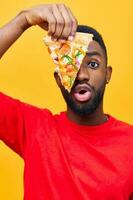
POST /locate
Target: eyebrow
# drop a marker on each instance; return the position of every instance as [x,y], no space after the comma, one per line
[93,53]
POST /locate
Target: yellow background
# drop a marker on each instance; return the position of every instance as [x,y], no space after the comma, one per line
[26,71]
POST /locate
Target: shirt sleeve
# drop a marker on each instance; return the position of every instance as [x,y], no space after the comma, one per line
[17,120]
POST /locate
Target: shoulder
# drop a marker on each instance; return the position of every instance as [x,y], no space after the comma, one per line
[122,125]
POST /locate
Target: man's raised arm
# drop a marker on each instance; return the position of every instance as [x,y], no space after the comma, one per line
[56,18]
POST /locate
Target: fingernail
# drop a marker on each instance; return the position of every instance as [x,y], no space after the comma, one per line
[70,38]
[62,40]
[54,39]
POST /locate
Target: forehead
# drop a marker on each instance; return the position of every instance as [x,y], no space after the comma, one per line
[95,47]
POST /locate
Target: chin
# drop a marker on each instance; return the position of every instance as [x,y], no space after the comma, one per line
[85,107]
[81,108]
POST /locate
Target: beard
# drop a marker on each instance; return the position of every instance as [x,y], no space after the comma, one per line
[88,107]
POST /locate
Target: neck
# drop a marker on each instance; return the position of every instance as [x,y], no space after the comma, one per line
[96,118]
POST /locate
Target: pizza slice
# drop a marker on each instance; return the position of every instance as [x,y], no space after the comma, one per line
[68,56]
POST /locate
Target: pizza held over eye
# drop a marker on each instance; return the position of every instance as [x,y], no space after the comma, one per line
[68,56]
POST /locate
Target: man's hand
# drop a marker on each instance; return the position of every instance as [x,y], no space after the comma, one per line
[56,18]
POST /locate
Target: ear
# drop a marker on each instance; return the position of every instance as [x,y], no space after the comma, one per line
[108,74]
[58,80]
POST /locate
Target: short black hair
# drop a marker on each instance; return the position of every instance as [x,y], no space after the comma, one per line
[97,37]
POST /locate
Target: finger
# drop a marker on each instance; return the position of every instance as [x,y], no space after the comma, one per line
[74,22]
[59,22]
[68,22]
[44,25]
[51,23]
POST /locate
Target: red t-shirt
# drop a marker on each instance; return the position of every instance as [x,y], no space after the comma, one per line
[67,161]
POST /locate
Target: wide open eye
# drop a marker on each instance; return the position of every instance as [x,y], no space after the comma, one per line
[93,65]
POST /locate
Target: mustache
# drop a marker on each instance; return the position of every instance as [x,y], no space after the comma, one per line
[83,82]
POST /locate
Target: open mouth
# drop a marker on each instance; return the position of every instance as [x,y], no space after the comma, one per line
[82,92]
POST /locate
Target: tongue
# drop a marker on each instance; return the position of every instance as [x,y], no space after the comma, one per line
[82,97]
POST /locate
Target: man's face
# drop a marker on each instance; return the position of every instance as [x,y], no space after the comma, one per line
[88,89]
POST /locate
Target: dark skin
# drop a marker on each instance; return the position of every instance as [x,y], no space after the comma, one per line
[61,24]
[94,71]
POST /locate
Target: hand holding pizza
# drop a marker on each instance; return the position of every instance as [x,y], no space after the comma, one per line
[56,18]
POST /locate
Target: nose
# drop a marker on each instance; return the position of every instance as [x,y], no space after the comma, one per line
[83,73]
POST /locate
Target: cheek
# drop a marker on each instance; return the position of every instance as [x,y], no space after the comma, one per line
[98,78]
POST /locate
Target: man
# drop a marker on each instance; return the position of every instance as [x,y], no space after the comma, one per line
[80,154]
